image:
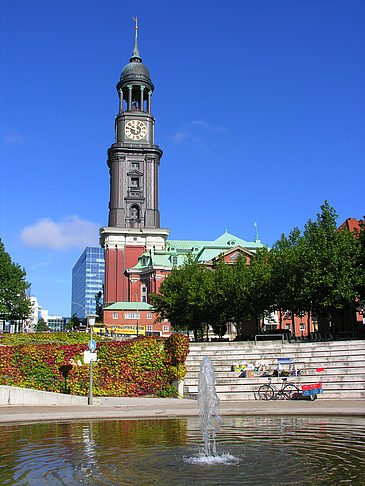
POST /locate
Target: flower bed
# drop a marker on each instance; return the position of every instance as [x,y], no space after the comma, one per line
[131,368]
[48,337]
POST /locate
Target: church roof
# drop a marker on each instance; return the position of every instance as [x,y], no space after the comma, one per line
[204,251]
[129,306]
[135,70]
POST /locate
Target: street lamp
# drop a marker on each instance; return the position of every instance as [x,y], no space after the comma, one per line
[76,303]
[137,312]
[90,322]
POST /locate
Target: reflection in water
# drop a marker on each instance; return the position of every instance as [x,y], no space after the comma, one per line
[269,451]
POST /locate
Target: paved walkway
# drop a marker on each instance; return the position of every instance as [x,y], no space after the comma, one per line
[130,408]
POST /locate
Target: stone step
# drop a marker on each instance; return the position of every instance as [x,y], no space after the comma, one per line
[251,396]
[238,388]
[262,355]
[343,363]
[305,367]
[228,360]
[273,349]
[293,379]
[276,342]
[274,359]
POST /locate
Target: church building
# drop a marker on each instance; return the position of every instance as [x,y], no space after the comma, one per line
[138,254]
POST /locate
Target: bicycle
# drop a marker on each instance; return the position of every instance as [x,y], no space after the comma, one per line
[288,391]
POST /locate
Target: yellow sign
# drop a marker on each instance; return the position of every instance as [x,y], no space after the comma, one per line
[127,330]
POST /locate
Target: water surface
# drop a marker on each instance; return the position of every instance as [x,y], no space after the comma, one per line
[252,451]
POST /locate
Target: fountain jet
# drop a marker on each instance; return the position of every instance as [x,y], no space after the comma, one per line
[208,402]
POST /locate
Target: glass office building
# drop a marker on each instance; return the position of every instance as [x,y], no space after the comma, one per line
[87,281]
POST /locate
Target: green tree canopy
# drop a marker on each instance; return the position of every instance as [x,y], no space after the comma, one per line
[361,262]
[319,271]
[41,325]
[14,303]
[332,272]
[181,297]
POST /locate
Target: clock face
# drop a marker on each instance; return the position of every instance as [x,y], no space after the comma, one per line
[135,130]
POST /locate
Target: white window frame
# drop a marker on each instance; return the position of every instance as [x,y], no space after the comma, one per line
[149,315]
[115,315]
[166,328]
[132,315]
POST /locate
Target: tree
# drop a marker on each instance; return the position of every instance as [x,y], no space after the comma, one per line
[333,272]
[73,323]
[361,262]
[41,325]
[99,304]
[14,303]
[239,309]
[216,295]
[258,288]
[287,260]
[181,298]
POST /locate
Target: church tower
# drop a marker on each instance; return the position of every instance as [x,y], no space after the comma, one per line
[133,161]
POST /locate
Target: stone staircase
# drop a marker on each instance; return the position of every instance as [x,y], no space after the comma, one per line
[343,362]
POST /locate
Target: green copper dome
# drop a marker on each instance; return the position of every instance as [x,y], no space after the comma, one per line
[135,70]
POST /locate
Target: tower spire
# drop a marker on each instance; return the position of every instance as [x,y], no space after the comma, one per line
[135,56]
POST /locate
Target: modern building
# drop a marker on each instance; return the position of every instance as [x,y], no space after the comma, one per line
[87,281]
[56,323]
[35,314]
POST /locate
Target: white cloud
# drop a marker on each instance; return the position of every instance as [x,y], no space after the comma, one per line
[14,139]
[189,132]
[207,126]
[68,233]
[45,263]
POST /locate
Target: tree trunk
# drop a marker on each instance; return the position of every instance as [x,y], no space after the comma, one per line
[293,322]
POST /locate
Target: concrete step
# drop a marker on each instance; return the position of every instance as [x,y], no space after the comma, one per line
[239,354]
[251,396]
[276,343]
[350,360]
[257,381]
[343,363]
[330,368]
[243,388]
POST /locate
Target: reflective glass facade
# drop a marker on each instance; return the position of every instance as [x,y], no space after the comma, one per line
[87,281]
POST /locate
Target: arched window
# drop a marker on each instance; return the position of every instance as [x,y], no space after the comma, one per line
[134,212]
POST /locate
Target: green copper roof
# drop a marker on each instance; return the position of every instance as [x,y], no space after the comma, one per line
[204,251]
[224,242]
[135,56]
[129,306]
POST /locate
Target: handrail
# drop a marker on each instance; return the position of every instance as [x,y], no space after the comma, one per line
[262,335]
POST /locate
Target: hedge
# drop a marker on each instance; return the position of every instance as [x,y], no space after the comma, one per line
[48,337]
[143,366]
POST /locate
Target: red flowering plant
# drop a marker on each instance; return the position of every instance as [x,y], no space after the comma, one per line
[177,350]
[132,368]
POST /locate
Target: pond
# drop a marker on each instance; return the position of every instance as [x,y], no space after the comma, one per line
[251,451]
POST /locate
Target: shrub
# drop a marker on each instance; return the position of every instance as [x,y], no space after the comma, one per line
[177,349]
[48,337]
[131,368]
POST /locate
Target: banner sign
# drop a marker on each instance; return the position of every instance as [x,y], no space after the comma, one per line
[89,356]
[312,389]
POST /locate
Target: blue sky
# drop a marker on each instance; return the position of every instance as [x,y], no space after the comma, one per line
[259,110]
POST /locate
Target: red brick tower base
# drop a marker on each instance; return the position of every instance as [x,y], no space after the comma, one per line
[123,247]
